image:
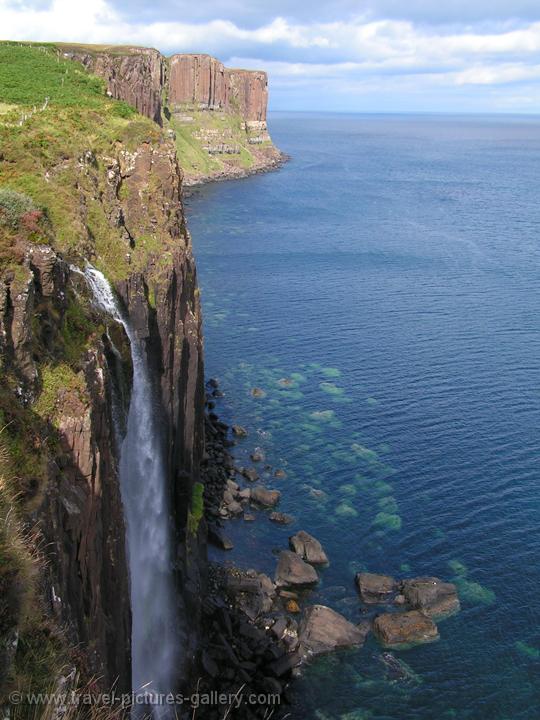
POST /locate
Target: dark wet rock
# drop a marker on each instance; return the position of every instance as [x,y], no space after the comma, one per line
[257,455]
[254,593]
[397,670]
[281,474]
[263,496]
[218,538]
[249,473]
[375,588]
[323,630]
[431,595]
[213,383]
[258,392]
[286,663]
[292,571]
[408,628]
[239,431]
[218,394]
[281,518]
[308,548]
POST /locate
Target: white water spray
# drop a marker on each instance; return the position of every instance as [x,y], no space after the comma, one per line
[143,481]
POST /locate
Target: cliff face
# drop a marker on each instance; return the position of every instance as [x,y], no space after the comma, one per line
[135,77]
[110,196]
[205,83]
[216,115]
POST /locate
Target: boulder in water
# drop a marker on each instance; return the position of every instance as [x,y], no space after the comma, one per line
[402,629]
[292,571]
[263,496]
[431,595]
[323,630]
[375,588]
[308,548]
[239,431]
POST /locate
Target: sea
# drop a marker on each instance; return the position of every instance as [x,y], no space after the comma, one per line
[383,290]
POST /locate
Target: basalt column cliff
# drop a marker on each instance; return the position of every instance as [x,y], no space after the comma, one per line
[216,115]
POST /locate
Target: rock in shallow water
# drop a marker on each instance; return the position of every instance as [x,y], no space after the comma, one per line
[281,518]
[239,431]
[308,548]
[431,595]
[323,630]
[409,628]
[375,588]
[292,571]
[264,497]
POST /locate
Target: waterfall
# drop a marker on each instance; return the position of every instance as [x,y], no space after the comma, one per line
[147,512]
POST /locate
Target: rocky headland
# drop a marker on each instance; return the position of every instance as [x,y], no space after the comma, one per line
[215,115]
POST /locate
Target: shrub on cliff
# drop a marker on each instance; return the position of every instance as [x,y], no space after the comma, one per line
[17,209]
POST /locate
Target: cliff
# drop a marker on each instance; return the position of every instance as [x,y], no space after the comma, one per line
[215,115]
[85,178]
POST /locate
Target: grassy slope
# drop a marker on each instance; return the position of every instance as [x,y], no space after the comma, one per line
[40,157]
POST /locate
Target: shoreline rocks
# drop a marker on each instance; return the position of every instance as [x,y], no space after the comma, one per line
[394,630]
[323,630]
[375,589]
[292,571]
[308,548]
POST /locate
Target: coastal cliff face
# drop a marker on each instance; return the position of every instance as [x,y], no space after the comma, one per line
[88,180]
[203,82]
[216,115]
[135,76]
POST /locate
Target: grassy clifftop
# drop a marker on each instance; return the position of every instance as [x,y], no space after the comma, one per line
[58,129]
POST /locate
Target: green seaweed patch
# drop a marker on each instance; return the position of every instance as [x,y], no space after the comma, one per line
[527,650]
[384,448]
[387,521]
[331,389]
[345,509]
[343,456]
[363,452]
[473,592]
[348,489]
[372,401]
[458,568]
[388,504]
[380,488]
[405,567]
[331,372]
[323,415]
[298,377]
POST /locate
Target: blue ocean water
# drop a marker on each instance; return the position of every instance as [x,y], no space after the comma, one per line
[389,277]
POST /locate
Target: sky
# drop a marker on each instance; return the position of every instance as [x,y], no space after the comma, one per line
[344,56]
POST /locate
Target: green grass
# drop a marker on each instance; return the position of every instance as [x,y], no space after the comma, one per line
[196,511]
[29,74]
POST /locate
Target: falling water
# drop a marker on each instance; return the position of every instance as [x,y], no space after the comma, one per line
[148,521]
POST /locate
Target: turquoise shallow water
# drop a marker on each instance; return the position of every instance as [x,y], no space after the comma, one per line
[391,271]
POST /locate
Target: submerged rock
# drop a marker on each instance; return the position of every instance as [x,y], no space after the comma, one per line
[281,474]
[281,518]
[249,473]
[258,392]
[308,548]
[263,496]
[292,571]
[239,431]
[431,595]
[408,628]
[375,588]
[323,630]
[257,455]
